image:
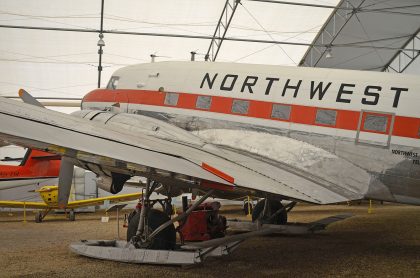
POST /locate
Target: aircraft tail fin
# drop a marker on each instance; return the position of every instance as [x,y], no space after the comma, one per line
[41,163]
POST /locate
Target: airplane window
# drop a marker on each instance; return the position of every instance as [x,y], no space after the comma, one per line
[203,102]
[113,83]
[325,117]
[375,123]
[171,99]
[280,111]
[240,106]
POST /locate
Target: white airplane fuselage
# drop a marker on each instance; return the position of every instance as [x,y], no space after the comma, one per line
[362,128]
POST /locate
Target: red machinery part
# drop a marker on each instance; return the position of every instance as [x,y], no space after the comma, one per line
[203,223]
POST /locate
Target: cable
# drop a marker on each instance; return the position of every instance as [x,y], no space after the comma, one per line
[258,51]
[377,3]
[127,19]
[271,37]
[361,55]
[332,7]
[47,16]
[49,90]
[40,18]
[128,57]
[39,57]
[241,27]
[167,25]
[368,37]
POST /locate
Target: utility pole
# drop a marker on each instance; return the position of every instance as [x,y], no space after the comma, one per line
[101,43]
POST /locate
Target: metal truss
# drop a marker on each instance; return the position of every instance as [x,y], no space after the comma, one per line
[221,29]
[404,57]
[329,32]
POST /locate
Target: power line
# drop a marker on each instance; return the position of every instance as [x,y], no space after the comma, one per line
[186,36]
[42,19]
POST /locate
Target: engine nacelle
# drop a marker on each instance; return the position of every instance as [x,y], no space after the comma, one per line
[112,184]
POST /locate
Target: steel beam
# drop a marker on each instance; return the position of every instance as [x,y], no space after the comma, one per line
[221,29]
[329,32]
[406,56]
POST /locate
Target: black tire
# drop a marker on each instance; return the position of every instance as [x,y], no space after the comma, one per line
[165,240]
[281,219]
[38,217]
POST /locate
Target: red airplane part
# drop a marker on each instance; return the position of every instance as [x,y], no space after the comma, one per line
[35,165]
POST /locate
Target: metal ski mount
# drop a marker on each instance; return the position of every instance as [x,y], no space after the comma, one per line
[136,250]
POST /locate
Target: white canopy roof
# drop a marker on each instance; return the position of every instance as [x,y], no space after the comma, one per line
[52,48]
[367,35]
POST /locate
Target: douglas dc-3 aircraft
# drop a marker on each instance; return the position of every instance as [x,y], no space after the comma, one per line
[230,130]
[35,167]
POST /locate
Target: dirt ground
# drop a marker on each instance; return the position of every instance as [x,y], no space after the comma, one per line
[385,243]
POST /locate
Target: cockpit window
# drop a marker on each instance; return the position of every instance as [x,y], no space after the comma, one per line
[113,83]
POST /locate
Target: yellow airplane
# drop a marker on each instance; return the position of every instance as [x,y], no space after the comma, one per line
[49,195]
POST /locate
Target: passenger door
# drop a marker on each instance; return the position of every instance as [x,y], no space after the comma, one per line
[375,128]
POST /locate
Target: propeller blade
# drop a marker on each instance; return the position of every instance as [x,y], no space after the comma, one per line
[64,181]
[27,98]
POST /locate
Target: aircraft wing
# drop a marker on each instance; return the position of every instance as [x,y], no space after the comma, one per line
[144,151]
[96,201]
[20,204]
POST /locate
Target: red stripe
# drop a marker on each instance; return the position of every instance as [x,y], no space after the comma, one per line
[217,186]
[346,119]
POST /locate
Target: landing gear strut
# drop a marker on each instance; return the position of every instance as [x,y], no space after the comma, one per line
[153,229]
[151,235]
[165,240]
[40,215]
[271,212]
[72,215]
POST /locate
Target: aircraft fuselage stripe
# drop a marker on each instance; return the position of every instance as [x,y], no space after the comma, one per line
[345,119]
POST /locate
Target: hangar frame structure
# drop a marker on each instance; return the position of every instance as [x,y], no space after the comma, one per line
[359,34]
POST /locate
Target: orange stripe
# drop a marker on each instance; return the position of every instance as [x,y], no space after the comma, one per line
[346,119]
[217,172]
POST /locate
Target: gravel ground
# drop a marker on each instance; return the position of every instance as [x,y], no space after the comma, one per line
[385,243]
